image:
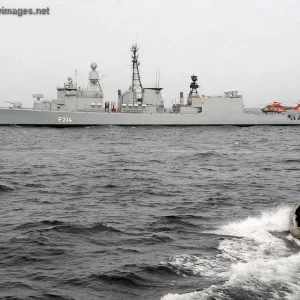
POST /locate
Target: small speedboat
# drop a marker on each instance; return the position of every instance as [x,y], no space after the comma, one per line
[295,221]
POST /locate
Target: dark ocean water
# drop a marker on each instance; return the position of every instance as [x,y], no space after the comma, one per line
[172,213]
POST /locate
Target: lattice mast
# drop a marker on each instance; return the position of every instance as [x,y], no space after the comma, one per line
[136,85]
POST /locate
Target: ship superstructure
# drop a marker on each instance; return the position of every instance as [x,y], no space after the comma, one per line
[73,98]
[138,99]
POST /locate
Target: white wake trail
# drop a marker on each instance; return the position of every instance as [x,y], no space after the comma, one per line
[254,258]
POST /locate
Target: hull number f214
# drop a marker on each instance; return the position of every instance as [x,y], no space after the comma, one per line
[65,120]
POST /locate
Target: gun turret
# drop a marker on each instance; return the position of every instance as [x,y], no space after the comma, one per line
[16,104]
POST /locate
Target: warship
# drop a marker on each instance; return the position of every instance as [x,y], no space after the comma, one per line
[76,106]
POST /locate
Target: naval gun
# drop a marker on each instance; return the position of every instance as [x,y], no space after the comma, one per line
[16,104]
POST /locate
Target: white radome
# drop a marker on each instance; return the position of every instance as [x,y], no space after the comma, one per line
[93,66]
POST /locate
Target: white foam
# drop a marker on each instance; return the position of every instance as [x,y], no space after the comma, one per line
[184,263]
[204,295]
[292,239]
[259,227]
[256,240]
[277,270]
[253,258]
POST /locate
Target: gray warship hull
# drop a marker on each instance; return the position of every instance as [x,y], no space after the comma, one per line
[29,117]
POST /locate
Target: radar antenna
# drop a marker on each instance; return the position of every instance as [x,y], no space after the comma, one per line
[94,81]
[137,87]
[193,89]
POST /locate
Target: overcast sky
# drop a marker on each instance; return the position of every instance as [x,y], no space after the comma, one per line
[250,45]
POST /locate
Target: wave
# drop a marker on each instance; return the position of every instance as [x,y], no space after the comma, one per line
[252,260]
[9,288]
[51,296]
[19,260]
[206,154]
[172,222]
[39,166]
[73,228]
[38,224]
[110,186]
[128,250]
[52,222]
[5,188]
[35,185]
[61,226]
[291,160]
[149,240]
[152,192]
[121,278]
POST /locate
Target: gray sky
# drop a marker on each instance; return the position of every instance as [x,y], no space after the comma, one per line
[250,45]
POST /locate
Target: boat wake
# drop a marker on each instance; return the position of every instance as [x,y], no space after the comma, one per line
[258,259]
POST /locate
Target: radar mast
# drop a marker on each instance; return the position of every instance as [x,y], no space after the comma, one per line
[193,90]
[94,81]
[136,85]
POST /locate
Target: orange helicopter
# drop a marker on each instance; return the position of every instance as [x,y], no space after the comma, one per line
[276,107]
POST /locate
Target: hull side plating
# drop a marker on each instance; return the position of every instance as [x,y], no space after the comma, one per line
[65,118]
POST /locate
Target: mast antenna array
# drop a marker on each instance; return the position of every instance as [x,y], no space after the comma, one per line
[193,87]
[193,90]
[136,86]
